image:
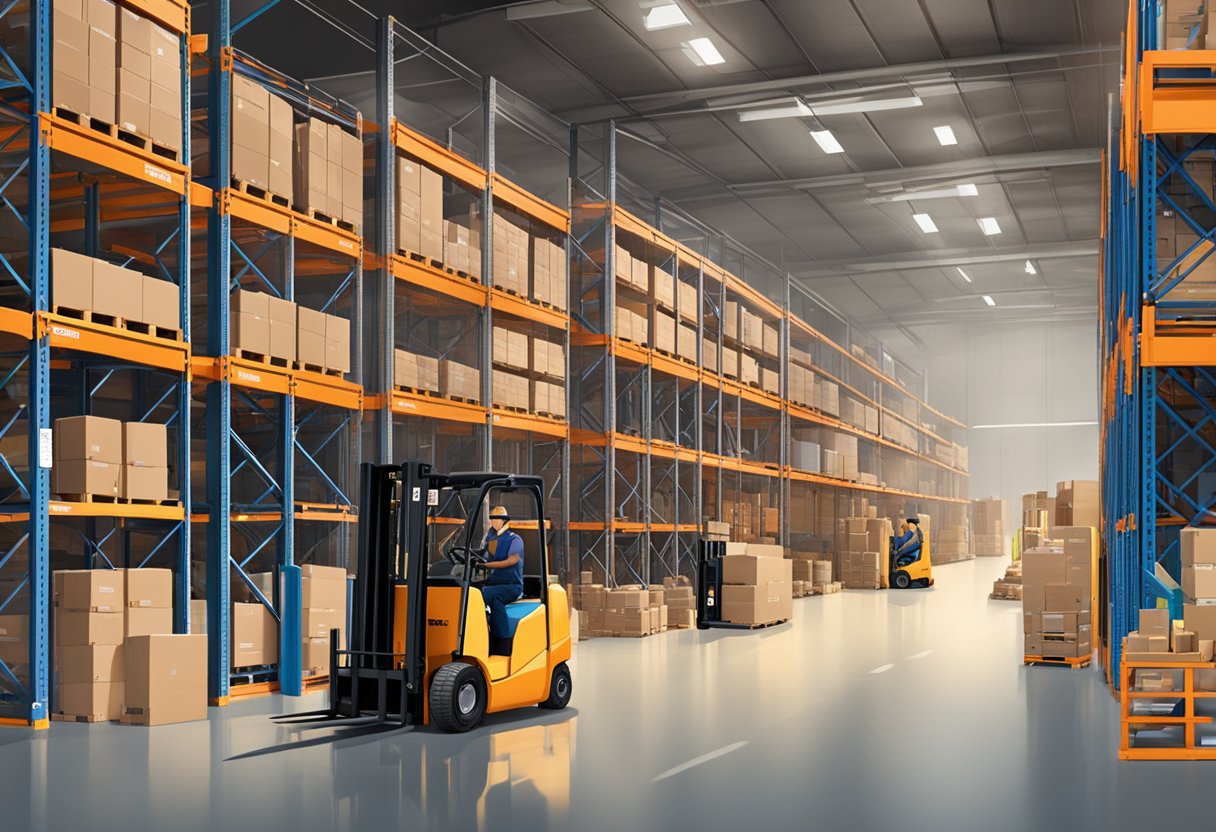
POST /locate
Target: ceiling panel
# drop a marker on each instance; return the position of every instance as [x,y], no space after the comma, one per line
[963,26]
[830,32]
[901,30]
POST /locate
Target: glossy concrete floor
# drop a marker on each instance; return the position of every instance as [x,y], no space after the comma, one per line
[871,711]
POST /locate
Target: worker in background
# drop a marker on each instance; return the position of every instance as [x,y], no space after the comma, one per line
[909,542]
[505,584]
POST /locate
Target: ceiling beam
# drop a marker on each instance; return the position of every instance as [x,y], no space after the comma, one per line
[1000,168]
[913,260]
[656,103]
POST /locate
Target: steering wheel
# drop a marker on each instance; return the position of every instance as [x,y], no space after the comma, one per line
[459,555]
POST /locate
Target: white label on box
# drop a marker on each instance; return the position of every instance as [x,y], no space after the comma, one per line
[108,589]
[46,447]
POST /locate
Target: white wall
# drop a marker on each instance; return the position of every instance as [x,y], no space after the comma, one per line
[1018,374]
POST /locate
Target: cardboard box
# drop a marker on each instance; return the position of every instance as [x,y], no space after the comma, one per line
[1155,622]
[250,132]
[280,153]
[146,621]
[317,623]
[324,587]
[71,280]
[80,477]
[1199,581]
[85,628]
[198,616]
[96,701]
[1198,545]
[311,337]
[315,654]
[255,636]
[148,588]
[14,639]
[337,343]
[1200,620]
[311,167]
[752,569]
[88,437]
[145,445]
[166,679]
[458,380]
[281,314]
[117,292]
[87,664]
[757,604]
[249,318]
[141,483]
[89,590]
[161,303]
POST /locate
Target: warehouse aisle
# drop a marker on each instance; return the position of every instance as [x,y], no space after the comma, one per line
[871,711]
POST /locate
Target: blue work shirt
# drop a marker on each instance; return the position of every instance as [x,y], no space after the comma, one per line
[508,543]
[905,539]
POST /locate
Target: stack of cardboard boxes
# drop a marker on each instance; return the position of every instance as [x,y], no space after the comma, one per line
[511,391]
[627,611]
[988,526]
[329,171]
[462,245]
[97,457]
[549,273]
[1078,503]
[757,584]
[1009,588]
[821,582]
[1186,24]
[633,273]
[264,327]
[420,211]
[415,372]
[681,603]
[510,255]
[951,545]
[459,381]
[1198,550]
[85,285]
[865,544]
[84,58]
[115,654]
[262,129]
[323,609]
[1038,513]
[1058,594]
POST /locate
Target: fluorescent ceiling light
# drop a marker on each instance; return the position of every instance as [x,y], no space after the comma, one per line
[935,193]
[925,222]
[864,105]
[1030,269]
[988,300]
[963,274]
[664,17]
[989,226]
[704,53]
[1035,425]
[945,135]
[766,113]
[546,8]
[827,141]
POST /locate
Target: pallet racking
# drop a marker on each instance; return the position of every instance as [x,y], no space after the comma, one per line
[658,443]
[74,183]
[1158,387]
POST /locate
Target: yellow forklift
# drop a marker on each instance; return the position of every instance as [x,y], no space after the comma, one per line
[911,564]
[419,641]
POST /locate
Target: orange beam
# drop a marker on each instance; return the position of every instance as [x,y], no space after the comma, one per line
[173,15]
[510,304]
[528,204]
[430,407]
[125,159]
[529,423]
[71,334]
[428,277]
[435,155]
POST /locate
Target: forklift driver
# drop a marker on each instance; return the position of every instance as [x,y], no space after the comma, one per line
[506,578]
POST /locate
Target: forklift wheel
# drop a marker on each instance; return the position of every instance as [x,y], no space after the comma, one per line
[902,580]
[560,689]
[458,697]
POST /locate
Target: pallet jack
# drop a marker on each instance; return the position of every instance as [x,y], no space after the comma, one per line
[419,642]
[709,587]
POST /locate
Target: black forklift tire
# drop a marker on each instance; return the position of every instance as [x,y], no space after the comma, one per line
[457,697]
[902,580]
[561,688]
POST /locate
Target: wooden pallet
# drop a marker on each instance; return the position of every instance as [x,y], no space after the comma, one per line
[154,330]
[417,391]
[763,626]
[461,399]
[118,132]
[421,258]
[78,718]
[549,305]
[258,192]
[91,317]
[328,219]
[106,499]
[1075,664]
[512,408]
[557,417]
[317,368]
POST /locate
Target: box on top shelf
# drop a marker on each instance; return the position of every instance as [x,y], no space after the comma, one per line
[311,337]
[459,381]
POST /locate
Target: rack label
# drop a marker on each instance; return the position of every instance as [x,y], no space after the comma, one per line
[46,447]
[417,494]
[159,174]
[64,332]
[432,496]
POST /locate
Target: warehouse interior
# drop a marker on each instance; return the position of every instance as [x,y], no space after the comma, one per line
[538,414]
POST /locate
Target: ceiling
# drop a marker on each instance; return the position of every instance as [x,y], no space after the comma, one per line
[1023,84]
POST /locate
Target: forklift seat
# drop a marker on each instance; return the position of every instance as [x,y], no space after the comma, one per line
[519,610]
